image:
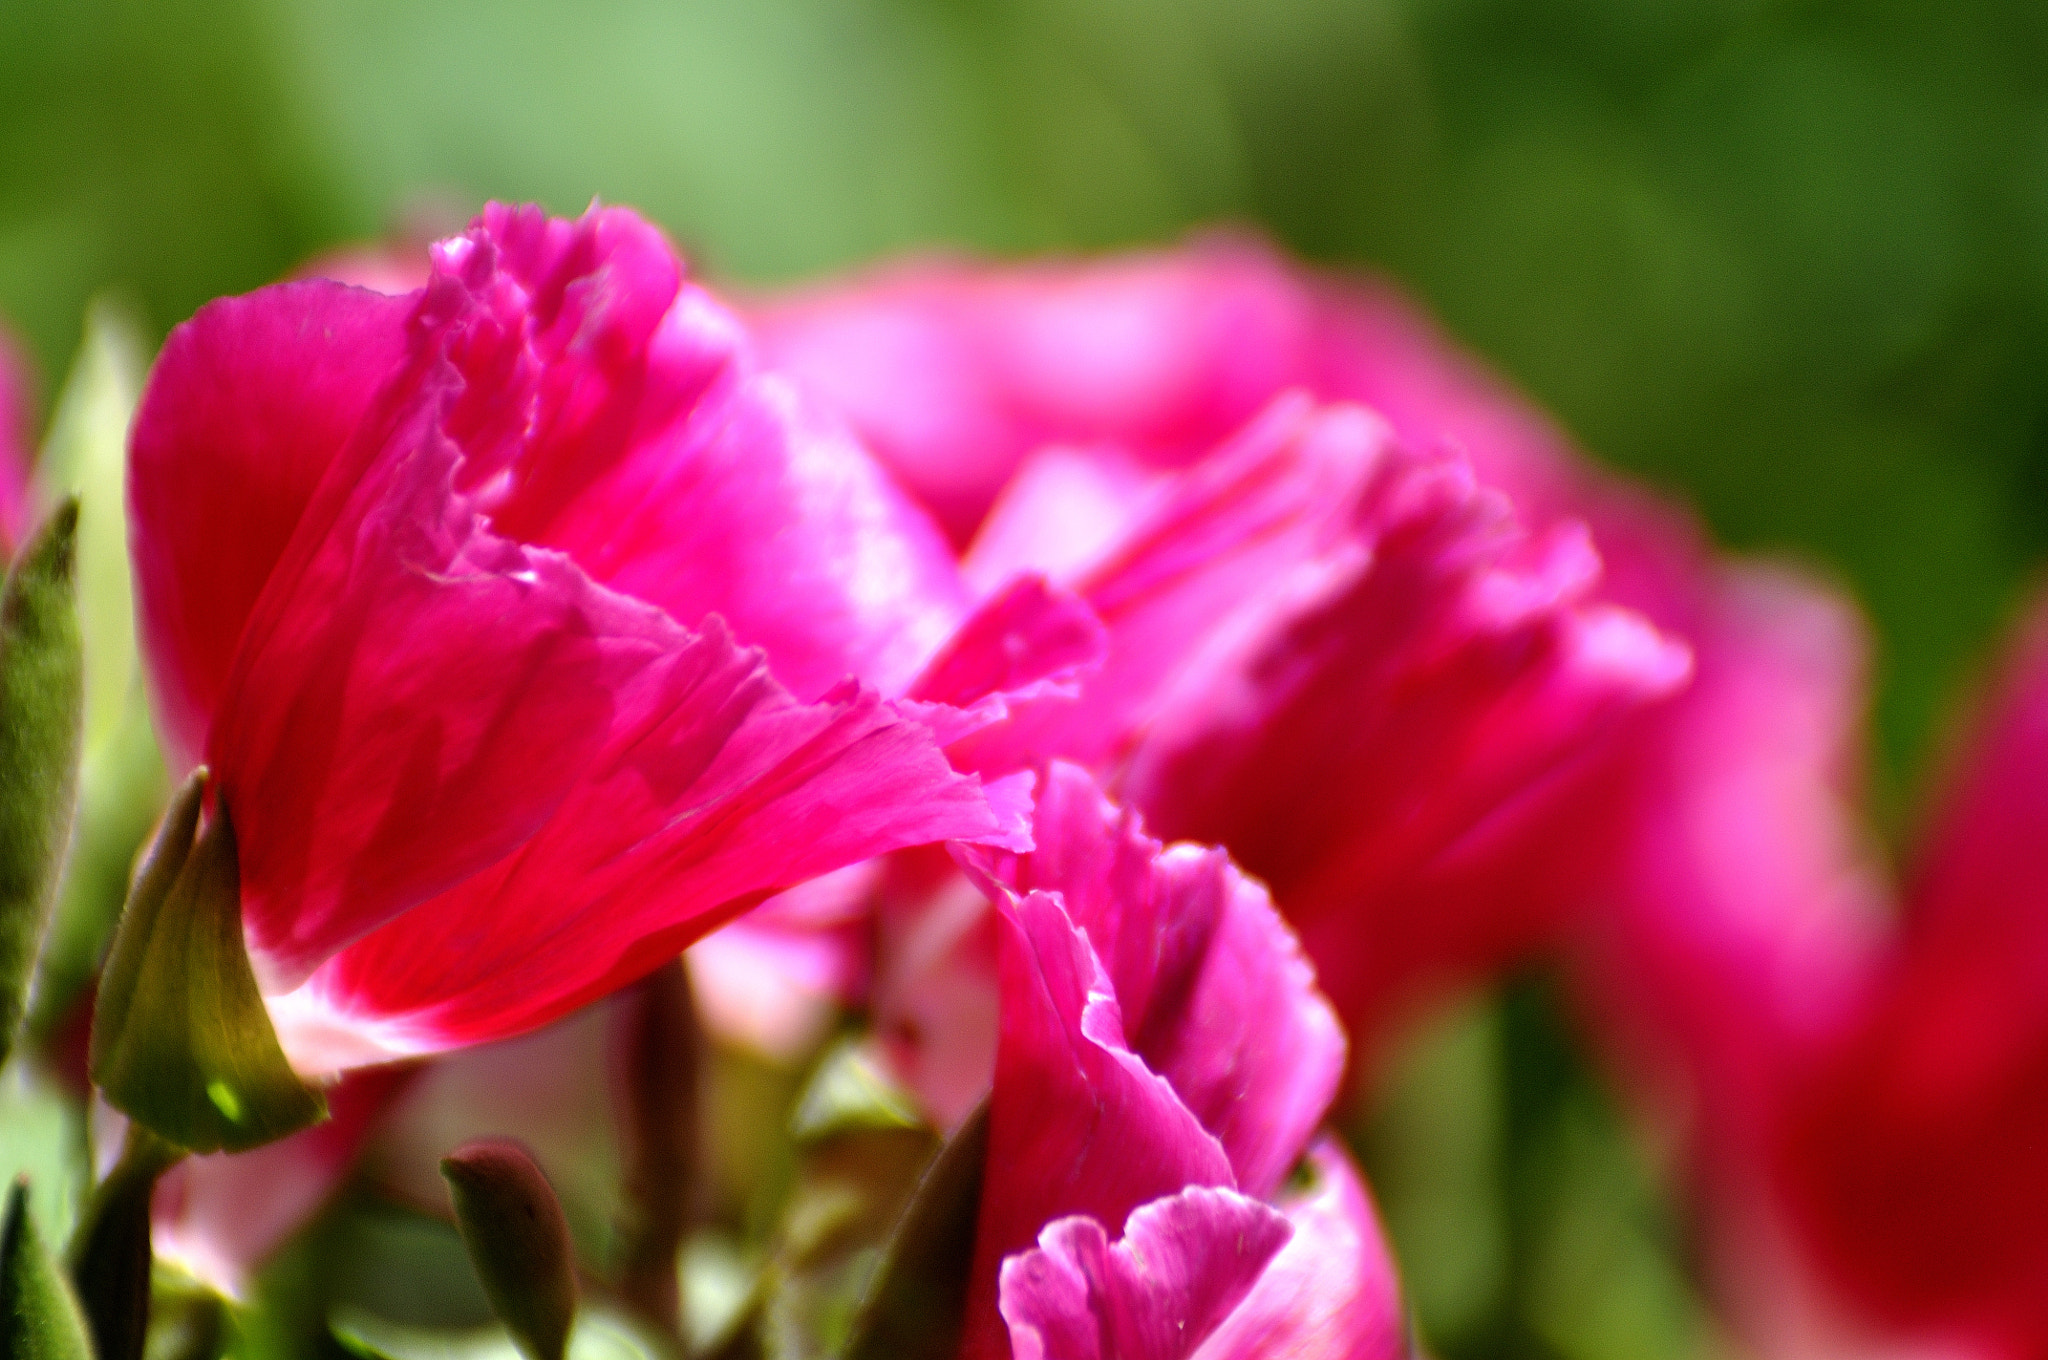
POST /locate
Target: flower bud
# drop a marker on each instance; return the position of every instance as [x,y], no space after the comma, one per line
[518,1241]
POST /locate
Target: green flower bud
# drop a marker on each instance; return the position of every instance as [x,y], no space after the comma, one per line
[518,1241]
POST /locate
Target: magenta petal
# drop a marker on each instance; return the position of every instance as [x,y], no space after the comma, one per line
[1077,1123]
[1331,1293]
[617,412]
[1390,744]
[1028,640]
[1182,1265]
[1211,546]
[714,790]
[249,403]
[409,706]
[1214,991]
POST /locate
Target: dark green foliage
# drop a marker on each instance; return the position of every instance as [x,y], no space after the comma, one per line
[110,1257]
[917,1304]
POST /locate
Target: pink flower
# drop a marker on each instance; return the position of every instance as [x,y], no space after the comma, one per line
[514,617]
[1912,1148]
[17,446]
[1163,1061]
[1389,689]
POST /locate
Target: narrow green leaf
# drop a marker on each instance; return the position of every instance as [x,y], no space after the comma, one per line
[121,777]
[39,1320]
[41,702]
[180,1040]
[109,1255]
[518,1241]
[916,1307]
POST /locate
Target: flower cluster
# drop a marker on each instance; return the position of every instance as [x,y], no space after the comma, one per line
[1118,695]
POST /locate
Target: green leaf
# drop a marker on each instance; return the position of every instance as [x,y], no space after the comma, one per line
[121,780]
[518,1241]
[41,700]
[916,1306]
[180,1041]
[39,1320]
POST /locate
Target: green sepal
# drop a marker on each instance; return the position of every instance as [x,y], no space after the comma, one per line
[518,1240]
[916,1305]
[42,698]
[39,1320]
[181,1042]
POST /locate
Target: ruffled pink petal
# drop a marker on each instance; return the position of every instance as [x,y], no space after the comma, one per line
[1215,994]
[1392,739]
[1332,1292]
[1183,1263]
[1064,511]
[1210,548]
[1915,1153]
[221,1217]
[439,742]
[408,706]
[617,412]
[714,791]
[1077,1123]
[248,404]
[1028,641]
[935,1005]
[17,445]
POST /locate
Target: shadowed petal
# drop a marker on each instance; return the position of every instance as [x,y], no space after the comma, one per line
[1214,991]
[1183,1263]
[1331,1293]
[1077,1123]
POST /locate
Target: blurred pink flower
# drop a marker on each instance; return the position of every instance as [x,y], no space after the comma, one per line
[1163,1061]
[17,444]
[514,617]
[1913,1151]
[1334,645]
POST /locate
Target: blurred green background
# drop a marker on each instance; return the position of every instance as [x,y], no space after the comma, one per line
[1789,260]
